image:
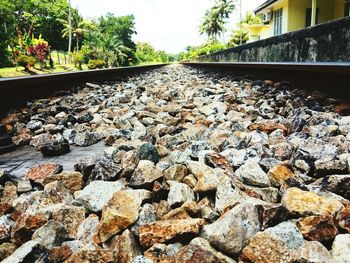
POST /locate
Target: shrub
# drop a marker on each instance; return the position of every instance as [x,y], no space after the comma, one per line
[39,49]
[26,61]
[78,59]
[96,63]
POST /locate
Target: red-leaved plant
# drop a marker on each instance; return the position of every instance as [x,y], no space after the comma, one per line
[40,51]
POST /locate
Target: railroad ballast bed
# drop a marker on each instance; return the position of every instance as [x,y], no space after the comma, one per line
[186,165]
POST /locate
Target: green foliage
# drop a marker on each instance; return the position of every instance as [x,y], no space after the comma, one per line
[205,49]
[96,64]
[145,53]
[78,59]
[108,38]
[37,48]
[215,18]
[122,28]
[111,41]
[80,27]
[34,17]
[251,19]
[235,38]
[25,61]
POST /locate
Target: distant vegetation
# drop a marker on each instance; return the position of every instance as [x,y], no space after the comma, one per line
[214,26]
[145,53]
[34,38]
[32,32]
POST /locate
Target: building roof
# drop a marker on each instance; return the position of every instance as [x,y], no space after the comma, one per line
[264,5]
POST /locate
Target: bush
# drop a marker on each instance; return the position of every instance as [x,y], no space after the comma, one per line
[26,61]
[96,63]
[78,59]
[39,49]
[205,49]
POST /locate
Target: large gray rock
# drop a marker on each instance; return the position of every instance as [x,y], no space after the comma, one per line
[88,228]
[276,244]
[179,193]
[96,194]
[317,149]
[341,248]
[87,138]
[233,230]
[314,251]
[252,174]
[145,173]
[149,152]
[51,234]
[34,125]
[227,195]
[106,170]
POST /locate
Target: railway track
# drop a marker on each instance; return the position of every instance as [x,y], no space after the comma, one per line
[15,91]
[331,78]
[207,162]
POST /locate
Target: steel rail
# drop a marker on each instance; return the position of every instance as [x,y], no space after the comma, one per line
[15,91]
[331,78]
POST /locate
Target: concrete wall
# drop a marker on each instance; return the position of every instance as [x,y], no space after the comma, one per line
[323,43]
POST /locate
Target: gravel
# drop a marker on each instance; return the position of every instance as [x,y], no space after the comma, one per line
[199,166]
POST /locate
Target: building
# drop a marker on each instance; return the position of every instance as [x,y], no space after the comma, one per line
[283,16]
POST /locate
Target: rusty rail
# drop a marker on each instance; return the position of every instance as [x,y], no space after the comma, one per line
[331,78]
[15,91]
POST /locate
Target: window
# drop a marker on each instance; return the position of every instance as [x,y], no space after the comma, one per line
[278,22]
[308,16]
[347,8]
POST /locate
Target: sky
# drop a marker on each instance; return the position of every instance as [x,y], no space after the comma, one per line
[169,25]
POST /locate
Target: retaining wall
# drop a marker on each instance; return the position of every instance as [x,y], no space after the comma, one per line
[327,42]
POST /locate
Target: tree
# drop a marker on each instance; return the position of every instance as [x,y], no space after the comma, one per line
[106,47]
[79,27]
[212,25]
[251,19]
[224,8]
[123,28]
[7,18]
[113,51]
[215,19]
[243,33]
[237,35]
[146,53]
[38,17]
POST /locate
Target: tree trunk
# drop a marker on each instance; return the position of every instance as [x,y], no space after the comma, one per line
[77,43]
[58,58]
[70,29]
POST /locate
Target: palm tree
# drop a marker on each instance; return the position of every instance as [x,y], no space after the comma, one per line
[224,8]
[114,50]
[108,48]
[251,19]
[215,18]
[79,27]
[212,25]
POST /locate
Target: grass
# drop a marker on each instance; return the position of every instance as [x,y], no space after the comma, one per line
[59,58]
[20,72]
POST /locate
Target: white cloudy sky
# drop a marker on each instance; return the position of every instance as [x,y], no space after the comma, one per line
[169,25]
